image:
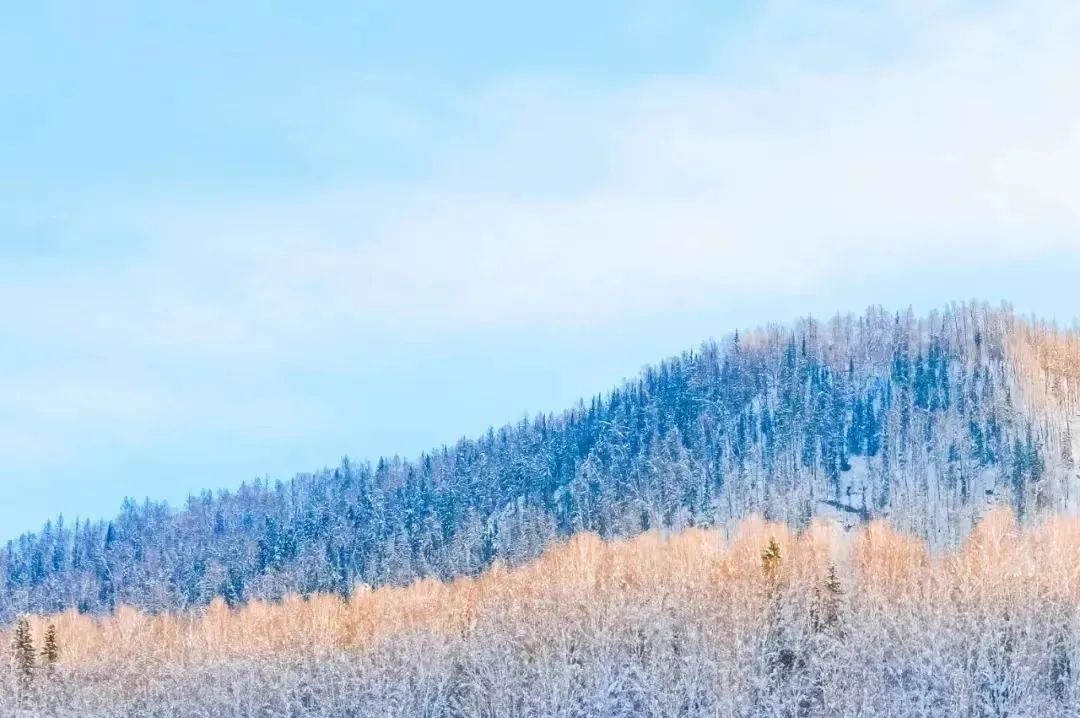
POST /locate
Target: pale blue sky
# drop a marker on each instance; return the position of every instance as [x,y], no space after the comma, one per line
[244,242]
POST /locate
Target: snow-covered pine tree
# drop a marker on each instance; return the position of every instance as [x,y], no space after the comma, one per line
[770,557]
[827,611]
[50,651]
[22,654]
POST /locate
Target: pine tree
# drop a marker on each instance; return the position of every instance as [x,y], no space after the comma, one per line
[22,654]
[770,558]
[827,612]
[832,583]
[50,651]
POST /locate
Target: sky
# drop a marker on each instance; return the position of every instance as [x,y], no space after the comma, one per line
[245,239]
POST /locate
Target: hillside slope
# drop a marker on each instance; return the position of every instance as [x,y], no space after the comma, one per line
[770,623]
[924,420]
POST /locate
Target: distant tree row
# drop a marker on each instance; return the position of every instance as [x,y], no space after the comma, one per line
[818,624]
[921,420]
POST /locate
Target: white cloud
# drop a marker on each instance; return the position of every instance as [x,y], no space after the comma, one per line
[958,145]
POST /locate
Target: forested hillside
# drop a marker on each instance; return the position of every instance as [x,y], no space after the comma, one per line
[923,420]
[823,624]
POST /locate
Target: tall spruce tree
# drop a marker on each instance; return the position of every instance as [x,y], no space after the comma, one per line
[22,654]
[770,558]
[50,651]
[827,611]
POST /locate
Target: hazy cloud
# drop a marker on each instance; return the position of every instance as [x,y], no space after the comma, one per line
[825,144]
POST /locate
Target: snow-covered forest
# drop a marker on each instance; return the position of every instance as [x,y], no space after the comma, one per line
[825,622]
[926,421]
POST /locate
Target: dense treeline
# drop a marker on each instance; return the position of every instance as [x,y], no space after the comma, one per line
[771,623]
[921,420]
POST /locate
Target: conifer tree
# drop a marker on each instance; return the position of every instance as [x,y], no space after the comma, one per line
[827,612]
[782,658]
[832,583]
[22,654]
[50,651]
[770,558]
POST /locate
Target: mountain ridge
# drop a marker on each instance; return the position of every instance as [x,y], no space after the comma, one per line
[924,420]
